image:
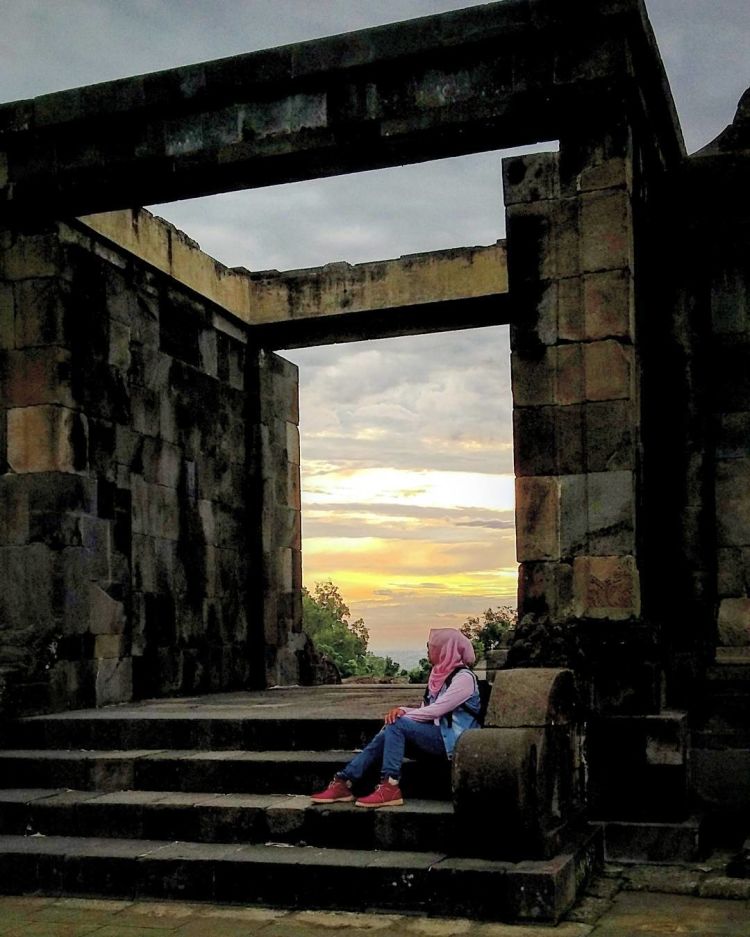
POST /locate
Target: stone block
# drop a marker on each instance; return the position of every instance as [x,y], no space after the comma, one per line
[531,244]
[26,591]
[733,502]
[734,436]
[114,681]
[47,439]
[537,518]
[35,376]
[288,527]
[721,778]
[156,510]
[609,437]
[606,587]
[36,255]
[566,224]
[292,443]
[534,440]
[293,487]
[733,571]
[106,615]
[571,322]
[611,513]
[207,520]
[574,525]
[109,646]
[119,345]
[571,386]
[570,445]
[229,526]
[7,317]
[615,172]
[546,589]
[533,177]
[609,370]
[631,755]
[734,622]
[96,541]
[534,377]
[654,842]
[56,530]
[730,373]
[608,301]
[60,493]
[730,300]
[162,462]
[72,595]
[14,511]
[40,313]
[207,352]
[606,231]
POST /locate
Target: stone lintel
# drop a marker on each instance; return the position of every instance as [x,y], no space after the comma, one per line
[482,78]
[463,287]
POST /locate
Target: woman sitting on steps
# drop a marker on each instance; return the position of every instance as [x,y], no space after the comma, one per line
[451,705]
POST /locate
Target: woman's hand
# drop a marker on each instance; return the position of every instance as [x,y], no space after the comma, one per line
[393,714]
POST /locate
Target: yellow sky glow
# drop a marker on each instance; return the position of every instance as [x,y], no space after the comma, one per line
[400,486]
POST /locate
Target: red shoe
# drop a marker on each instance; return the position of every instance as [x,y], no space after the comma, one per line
[384,795]
[337,792]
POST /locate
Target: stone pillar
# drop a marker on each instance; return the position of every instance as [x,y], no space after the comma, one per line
[275,477]
[576,418]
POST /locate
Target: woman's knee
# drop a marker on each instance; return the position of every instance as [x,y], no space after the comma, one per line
[395,728]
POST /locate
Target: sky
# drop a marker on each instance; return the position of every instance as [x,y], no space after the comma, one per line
[406,443]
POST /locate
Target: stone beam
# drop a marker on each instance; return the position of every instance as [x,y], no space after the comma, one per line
[463,287]
[482,78]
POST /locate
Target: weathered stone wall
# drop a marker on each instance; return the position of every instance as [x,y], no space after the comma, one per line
[127,548]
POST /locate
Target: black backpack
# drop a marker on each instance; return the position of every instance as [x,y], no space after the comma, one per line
[484,688]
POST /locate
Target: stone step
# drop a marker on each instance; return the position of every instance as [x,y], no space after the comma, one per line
[299,876]
[110,731]
[427,825]
[654,842]
[224,772]
[282,718]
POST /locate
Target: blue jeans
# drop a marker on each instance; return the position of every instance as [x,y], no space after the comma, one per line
[388,747]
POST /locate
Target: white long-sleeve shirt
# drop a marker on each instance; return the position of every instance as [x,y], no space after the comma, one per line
[460,690]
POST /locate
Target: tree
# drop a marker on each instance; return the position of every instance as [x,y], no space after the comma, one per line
[492,630]
[326,620]
[420,673]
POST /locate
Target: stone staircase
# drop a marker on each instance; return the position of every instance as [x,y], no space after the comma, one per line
[209,799]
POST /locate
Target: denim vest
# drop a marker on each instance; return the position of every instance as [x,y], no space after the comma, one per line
[453,724]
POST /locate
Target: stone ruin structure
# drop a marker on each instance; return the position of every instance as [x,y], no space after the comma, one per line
[149,446]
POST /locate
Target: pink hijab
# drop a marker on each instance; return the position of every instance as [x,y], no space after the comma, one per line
[452,649]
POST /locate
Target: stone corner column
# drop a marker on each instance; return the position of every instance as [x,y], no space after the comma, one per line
[576,417]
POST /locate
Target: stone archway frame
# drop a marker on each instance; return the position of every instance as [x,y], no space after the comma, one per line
[482,78]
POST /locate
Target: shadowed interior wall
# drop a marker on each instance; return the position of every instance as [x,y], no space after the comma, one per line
[127,552]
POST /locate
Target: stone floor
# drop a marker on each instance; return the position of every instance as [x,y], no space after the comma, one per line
[630,914]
